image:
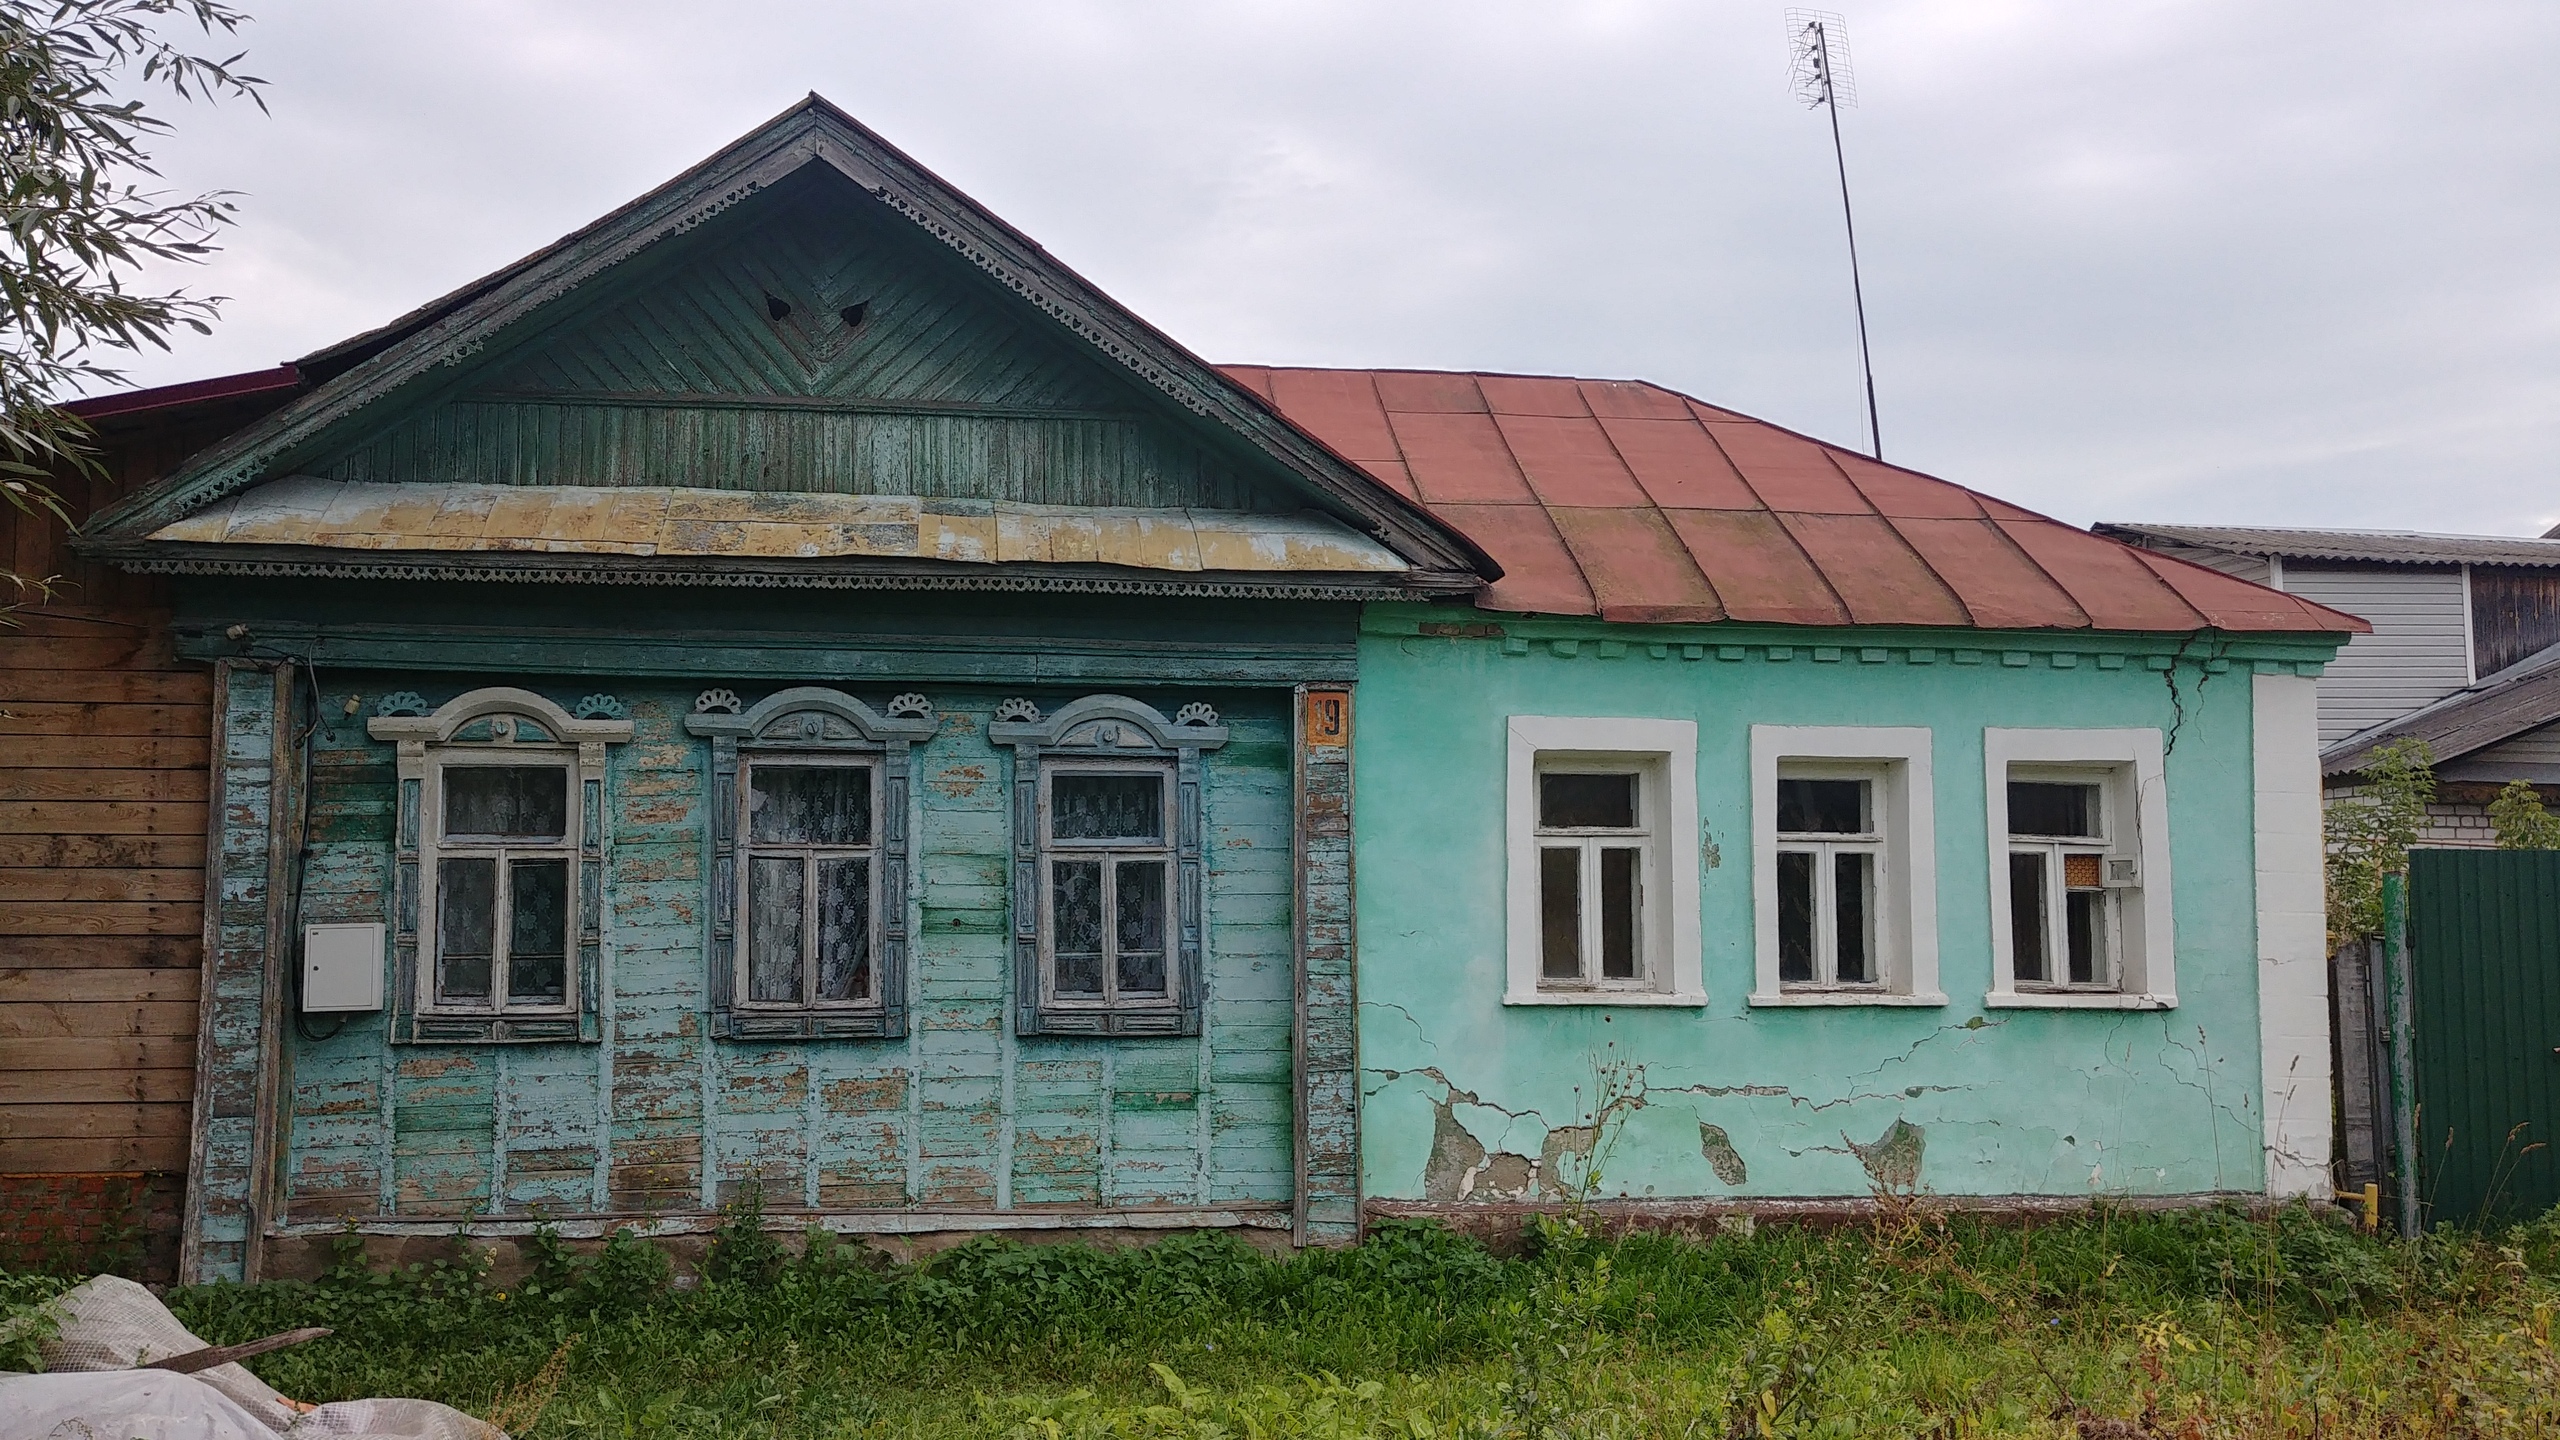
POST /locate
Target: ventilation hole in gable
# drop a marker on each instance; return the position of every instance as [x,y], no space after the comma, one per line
[852,314]
[777,307]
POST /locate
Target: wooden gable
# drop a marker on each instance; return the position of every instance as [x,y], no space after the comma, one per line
[807,354]
[806,340]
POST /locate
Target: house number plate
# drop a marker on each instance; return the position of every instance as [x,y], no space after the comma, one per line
[1328,717]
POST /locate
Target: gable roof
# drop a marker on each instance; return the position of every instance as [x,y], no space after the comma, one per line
[372,367]
[2524,696]
[2384,547]
[1627,501]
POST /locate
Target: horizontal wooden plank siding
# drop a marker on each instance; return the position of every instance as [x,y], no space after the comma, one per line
[960,1115]
[102,845]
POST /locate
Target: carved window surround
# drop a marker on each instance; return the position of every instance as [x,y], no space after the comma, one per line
[499,720]
[815,722]
[1104,728]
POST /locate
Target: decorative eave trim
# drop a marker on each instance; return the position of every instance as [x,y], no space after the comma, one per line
[813,131]
[1019,722]
[910,717]
[440,726]
[160,558]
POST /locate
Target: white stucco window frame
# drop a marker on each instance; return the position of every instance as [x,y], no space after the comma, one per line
[1897,759]
[2139,792]
[1666,752]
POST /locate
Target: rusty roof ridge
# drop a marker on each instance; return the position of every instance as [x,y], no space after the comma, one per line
[1611,440]
[1495,419]
[1811,562]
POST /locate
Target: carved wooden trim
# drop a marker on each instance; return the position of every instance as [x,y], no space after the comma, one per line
[1094,728]
[811,720]
[497,717]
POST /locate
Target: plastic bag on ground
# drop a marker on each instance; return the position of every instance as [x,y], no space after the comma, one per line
[111,1324]
[122,1405]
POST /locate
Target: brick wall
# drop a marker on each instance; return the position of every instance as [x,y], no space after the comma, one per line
[123,1221]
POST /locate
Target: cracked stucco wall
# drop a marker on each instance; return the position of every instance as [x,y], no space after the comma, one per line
[1465,1099]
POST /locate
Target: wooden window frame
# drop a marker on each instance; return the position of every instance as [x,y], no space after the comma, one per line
[811,725]
[1105,852]
[1665,752]
[810,854]
[2053,854]
[1826,848]
[2129,767]
[1896,761]
[494,725]
[1100,731]
[437,848]
[1587,842]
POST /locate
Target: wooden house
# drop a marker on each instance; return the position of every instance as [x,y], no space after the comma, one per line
[790,686]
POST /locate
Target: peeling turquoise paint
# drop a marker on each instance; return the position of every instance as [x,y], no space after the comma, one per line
[1465,1099]
[958,1115]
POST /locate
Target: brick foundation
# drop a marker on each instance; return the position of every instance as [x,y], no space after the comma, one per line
[125,1222]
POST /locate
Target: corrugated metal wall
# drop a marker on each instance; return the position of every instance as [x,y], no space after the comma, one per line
[2419,651]
[2484,948]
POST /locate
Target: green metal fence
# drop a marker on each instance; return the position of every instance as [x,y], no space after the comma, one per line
[2484,977]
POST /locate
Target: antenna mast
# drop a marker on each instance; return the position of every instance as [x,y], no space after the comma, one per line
[1819,42]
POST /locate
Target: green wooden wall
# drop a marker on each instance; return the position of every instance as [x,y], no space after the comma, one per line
[958,1116]
[724,359]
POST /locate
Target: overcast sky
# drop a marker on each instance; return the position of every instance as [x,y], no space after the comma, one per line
[2181,260]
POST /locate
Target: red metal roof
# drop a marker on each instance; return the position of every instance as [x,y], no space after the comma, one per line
[1627,501]
[192,392]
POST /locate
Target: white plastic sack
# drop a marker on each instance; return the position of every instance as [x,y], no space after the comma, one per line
[107,1324]
[121,1405]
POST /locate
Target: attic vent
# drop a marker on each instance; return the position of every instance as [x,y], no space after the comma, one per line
[776,306]
[852,314]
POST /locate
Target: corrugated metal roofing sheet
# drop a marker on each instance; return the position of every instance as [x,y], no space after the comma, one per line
[2386,547]
[2524,696]
[1631,502]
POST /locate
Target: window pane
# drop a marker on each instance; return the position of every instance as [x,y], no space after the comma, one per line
[1560,913]
[524,801]
[1621,898]
[2084,919]
[1822,807]
[810,804]
[1795,916]
[2027,916]
[1075,925]
[844,929]
[2039,807]
[1106,807]
[774,900]
[1587,802]
[537,932]
[1853,897]
[1138,926]
[466,926]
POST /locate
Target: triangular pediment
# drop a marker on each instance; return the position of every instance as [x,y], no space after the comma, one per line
[808,314]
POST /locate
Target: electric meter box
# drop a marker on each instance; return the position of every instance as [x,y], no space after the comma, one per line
[341,968]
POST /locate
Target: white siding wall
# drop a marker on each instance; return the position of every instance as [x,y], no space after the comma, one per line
[2533,755]
[2419,651]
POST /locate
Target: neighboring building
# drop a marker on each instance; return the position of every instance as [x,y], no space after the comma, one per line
[791,686]
[2451,615]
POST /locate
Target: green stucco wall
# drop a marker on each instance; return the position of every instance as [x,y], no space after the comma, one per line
[1461,1093]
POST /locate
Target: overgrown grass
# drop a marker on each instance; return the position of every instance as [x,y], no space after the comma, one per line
[2122,1324]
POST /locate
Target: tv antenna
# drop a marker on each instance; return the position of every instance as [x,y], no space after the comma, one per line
[1819,44]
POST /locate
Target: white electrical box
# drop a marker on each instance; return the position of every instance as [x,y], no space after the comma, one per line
[341,968]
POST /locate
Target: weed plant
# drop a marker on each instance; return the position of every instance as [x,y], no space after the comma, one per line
[2119,1324]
